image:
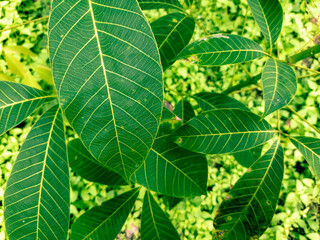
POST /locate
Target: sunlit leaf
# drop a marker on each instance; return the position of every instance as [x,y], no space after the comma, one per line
[221,49]
[82,162]
[279,85]
[172,32]
[29,80]
[36,200]
[157,4]
[20,50]
[184,110]
[5,77]
[110,81]
[105,221]
[223,131]
[247,210]
[155,224]
[15,66]
[45,73]
[269,16]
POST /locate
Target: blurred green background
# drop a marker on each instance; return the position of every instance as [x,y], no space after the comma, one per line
[297,215]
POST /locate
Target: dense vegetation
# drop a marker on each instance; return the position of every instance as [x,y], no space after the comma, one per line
[296,216]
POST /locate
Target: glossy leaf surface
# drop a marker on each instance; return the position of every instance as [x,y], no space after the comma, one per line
[247,210]
[221,49]
[105,221]
[37,197]
[223,131]
[279,85]
[110,83]
[172,32]
[269,16]
[158,4]
[17,102]
[155,224]
[184,110]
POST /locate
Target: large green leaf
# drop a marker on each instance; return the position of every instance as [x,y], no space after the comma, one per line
[248,157]
[223,131]
[36,200]
[172,32]
[157,4]
[105,221]
[184,110]
[17,102]
[155,224]
[309,147]
[108,77]
[269,16]
[221,49]
[279,85]
[84,164]
[170,169]
[247,210]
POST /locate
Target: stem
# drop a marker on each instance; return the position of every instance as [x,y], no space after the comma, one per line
[247,72]
[306,44]
[309,75]
[253,80]
[278,112]
[22,24]
[310,52]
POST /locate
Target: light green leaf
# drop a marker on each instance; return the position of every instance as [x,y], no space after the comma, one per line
[84,164]
[221,49]
[157,4]
[17,102]
[45,73]
[309,148]
[223,131]
[5,77]
[20,50]
[36,200]
[247,210]
[155,224]
[29,80]
[108,77]
[279,85]
[184,110]
[170,169]
[248,157]
[15,66]
[105,221]
[172,32]
[269,16]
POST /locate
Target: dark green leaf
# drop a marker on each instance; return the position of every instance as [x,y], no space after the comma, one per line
[188,2]
[223,131]
[36,199]
[247,210]
[172,32]
[269,16]
[172,201]
[108,77]
[105,221]
[155,224]
[84,164]
[184,110]
[221,49]
[279,85]
[157,4]
[248,157]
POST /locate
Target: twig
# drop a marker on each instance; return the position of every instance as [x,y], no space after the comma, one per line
[22,24]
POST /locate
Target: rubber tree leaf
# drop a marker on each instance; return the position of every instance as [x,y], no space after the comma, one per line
[84,164]
[309,148]
[170,169]
[188,2]
[172,32]
[20,50]
[184,110]
[171,202]
[37,197]
[210,101]
[155,224]
[105,221]
[248,157]
[15,66]
[247,210]
[158,4]
[221,49]
[17,102]
[279,85]
[29,80]
[5,77]
[45,73]
[269,17]
[108,77]
[223,131]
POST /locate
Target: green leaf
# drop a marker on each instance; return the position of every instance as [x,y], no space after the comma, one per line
[20,50]
[29,80]
[108,77]
[210,101]
[172,32]
[248,157]
[84,164]
[279,85]
[170,169]
[5,77]
[269,16]
[15,66]
[188,2]
[105,221]
[223,131]
[36,199]
[45,73]
[155,224]
[171,202]
[17,102]
[247,210]
[184,110]
[309,148]
[158,4]
[221,49]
